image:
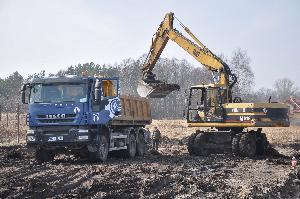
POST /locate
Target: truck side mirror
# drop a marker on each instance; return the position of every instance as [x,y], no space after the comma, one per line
[23,93]
[97,96]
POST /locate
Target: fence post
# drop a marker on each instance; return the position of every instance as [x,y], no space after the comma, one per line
[6,118]
[0,113]
[18,122]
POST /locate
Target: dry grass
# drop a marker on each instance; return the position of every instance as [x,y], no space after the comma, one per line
[8,130]
[286,135]
[178,129]
[172,128]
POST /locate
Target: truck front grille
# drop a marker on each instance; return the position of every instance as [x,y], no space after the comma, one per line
[56,118]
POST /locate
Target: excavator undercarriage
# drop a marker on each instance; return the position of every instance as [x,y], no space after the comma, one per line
[247,144]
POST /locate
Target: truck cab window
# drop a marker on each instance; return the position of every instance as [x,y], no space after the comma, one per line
[36,94]
[110,88]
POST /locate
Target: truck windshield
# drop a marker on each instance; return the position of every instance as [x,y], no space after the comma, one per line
[56,93]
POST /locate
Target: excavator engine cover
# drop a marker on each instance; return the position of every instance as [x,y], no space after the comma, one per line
[155,89]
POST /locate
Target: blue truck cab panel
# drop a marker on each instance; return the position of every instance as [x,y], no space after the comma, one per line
[66,109]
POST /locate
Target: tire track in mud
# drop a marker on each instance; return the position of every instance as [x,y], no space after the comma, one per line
[23,172]
[154,176]
[40,181]
[116,183]
[69,184]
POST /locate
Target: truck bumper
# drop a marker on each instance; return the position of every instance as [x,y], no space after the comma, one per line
[59,137]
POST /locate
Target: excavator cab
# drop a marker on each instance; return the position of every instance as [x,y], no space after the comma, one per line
[205,104]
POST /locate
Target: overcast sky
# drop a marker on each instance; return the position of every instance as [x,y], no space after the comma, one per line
[54,34]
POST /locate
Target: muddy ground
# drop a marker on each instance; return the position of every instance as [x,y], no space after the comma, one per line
[170,174]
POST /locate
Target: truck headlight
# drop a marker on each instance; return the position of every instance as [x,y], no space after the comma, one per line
[83,130]
[83,137]
[31,138]
[29,131]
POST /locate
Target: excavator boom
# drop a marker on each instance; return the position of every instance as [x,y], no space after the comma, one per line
[149,86]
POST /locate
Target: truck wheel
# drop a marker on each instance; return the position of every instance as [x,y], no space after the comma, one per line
[140,145]
[102,149]
[247,145]
[235,143]
[131,146]
[261,144]
[82,154]
[43,155]
[190,144]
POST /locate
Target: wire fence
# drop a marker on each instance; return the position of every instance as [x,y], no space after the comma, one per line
[12,126]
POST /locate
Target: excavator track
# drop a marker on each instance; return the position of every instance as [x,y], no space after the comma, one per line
[245,144]
[190,144]
[235,143]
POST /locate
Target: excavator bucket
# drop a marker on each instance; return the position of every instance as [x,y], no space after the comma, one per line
[155,89]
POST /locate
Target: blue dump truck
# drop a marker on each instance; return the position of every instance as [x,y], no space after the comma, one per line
[85,116]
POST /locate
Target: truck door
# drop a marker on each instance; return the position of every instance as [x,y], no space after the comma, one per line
[106,104]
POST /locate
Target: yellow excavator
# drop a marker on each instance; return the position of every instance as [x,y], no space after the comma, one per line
[212,106]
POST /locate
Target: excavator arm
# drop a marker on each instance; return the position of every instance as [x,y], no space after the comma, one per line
[150,87]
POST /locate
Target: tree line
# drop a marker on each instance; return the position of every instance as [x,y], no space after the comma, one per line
[170,70]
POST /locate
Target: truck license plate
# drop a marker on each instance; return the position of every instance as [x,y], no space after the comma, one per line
[54,138]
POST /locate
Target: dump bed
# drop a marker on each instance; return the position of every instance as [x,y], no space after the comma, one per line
[135,111]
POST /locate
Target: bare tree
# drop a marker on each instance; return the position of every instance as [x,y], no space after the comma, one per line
[263,95]
[240,66]
[285,88]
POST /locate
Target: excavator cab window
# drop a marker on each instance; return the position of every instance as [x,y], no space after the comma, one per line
[196,105]
[214,109]
[205,105]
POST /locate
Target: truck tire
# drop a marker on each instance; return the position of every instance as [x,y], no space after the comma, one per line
[102,149]
[261,144]
[43,155]
[235,143]
[131,146]
[247,145]
[82,154]
[190,144]
[140,144]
